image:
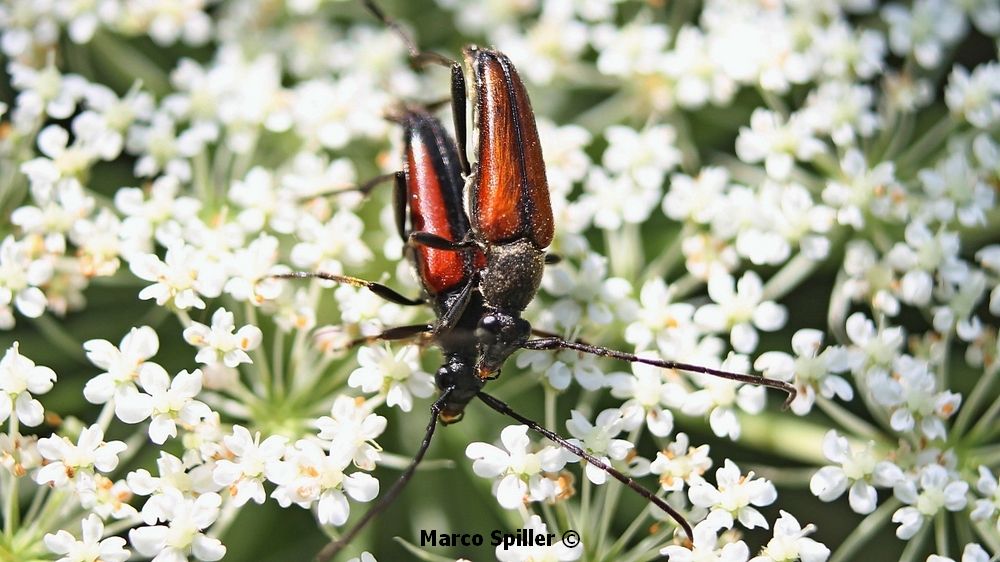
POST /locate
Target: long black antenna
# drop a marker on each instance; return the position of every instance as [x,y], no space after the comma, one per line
[331,549]
[559,343]
[504,409]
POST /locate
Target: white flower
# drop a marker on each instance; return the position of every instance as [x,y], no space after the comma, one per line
[696,198]
[90,547]
[20,378]
[791,543]
[181,278]
[925,31]
[859,468]
[397,376]
[244,474]
[844,111]
[938,489]
[956,189]
[598,439]
[739,307]
[646,392]
[732,497]
[680,463]
[864,190]
[70,462]
[556,552]
[911,397]
[172,476]
[645,155]
[700,79]
[972,553]
[351,423]
[166,402]
[585,294]
[618,199]
[989,505]
[776,142]
[184,534]
[810,371]
[365,557]
[218,343]
[563,367]
[705,547]
[20,278]
[634,49]
[872,348]
[123,363]
[718,398]
[976,96]
[519,472]
[310,475]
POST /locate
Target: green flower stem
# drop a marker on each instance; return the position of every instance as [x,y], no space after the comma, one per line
[267,383]
[915,547]
[611,500]
[36,503]
[987,531]
[624,250]
[107,414]
[865,531]
[278,355]
[784,477]
[226,517]
[836,312]
[668,259]
[975,399]
[902,133]
[551,395]
[849,421]
[57,335]
[931,140]
[10,507]
[130,64]
[690,159]
[202,176]
[626,536]
[789,276]
[648,548]
[612,110]
[421,554]
[781,434]
[120,526]
[684,286]
[985,425]
[941,533]
[584,522]
[773,101]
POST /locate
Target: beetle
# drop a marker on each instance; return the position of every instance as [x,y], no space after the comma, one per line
[479,270]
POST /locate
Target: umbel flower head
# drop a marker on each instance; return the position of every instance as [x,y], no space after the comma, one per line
[799,191]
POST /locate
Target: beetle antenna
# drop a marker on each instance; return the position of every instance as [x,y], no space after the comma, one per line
[504,409]
[377,288]
[559,343]
[418,56]
[331,549]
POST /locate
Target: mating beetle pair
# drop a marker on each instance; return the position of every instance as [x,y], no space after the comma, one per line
[480,270]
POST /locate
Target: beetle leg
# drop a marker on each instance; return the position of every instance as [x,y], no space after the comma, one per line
[450,316]
[552,259]
[395,333]
[422,238]
[377,288]
[399,204]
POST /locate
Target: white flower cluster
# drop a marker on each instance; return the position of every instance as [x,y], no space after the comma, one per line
[806,190]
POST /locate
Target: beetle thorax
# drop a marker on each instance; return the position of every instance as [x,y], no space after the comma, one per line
[512,275]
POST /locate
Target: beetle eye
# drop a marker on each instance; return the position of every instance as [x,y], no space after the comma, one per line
[488,330]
